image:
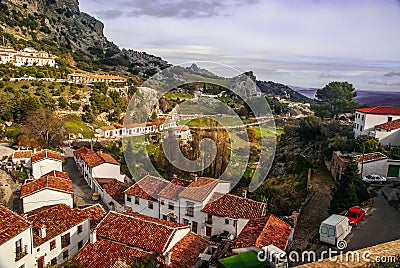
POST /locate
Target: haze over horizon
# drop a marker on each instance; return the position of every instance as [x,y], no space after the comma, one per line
[299,43]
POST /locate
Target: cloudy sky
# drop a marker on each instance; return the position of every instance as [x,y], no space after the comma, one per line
[305,43]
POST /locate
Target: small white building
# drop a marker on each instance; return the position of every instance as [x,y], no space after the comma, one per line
[22,158]
[59,232]
[182,133]
[388,133]
[111,192]
[16,243]
[93,164]
[44,162]
[366,119]
[45,191]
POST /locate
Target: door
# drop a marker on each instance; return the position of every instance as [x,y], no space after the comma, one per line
[194,227]
[40,262]
[208,231]
[393,171]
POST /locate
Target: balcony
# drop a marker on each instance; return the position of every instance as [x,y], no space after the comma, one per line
[20,255]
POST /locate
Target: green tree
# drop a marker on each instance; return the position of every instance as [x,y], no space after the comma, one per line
[310,128]
[350,191]
[367,144]
[89,115]
[62,103]
[149,261]
[339,96]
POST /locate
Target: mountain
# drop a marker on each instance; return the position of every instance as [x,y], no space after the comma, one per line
[59,27]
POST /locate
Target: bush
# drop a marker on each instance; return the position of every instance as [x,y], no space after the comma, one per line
[75,106]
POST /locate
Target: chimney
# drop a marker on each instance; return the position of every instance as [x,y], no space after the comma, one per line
[42,231]
[168,258]
[93,236]
[245,193]
[34,150]
[193,176]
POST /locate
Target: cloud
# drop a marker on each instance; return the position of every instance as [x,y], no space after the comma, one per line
[109,14]
[384,83]
[391,74]
[325,75]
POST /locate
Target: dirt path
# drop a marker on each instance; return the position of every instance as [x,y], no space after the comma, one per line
[314,212]
[9,192]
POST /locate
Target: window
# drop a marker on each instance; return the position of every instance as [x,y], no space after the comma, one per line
[162,202]
[164,217]
[65,254]
[52,244]
[209,218]
[362,118]
[185,221]
[361,128]
[65,240]
[189,209]
[53,261]
[150,204]
[390,119]
[22,266]
[173,219]
[194,227]
[18,248]
[331,232]
[80,228]
[171,206]
[226,221]
[128,198]
[324,230]
[80,244]
[136,200]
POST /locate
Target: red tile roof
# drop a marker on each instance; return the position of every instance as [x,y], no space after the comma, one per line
[173,189]
[116,189]
[11,224]
[22,154]
[106,254]
[370,157]
[234,207]
[148,188]
[57,219]
[263,232]
[94,159]
[58,174]
[95,213]
[46,154]
[389,126]
[186,252]
[46,182]
[200,189]
[386,110]
[105,128]
[135,230]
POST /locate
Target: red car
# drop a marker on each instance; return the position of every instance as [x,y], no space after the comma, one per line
[355,215]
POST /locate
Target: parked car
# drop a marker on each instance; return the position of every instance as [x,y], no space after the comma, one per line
[334,229]
[355,215]
[373,178]
[219,237]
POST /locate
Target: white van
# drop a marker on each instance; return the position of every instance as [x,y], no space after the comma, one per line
[334,229]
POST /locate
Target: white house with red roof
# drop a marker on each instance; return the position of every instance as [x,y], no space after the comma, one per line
[59,232]
[123,237]
[16,245]
[388,133]
[44,162]
[47,190]
[111,192]
[22,157]
[368,120]
[93,165]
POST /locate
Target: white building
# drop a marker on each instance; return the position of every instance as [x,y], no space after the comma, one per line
[122,238]
[23,158]
[44,162]
[388,133]
[93,164]
[86,78]
[26,57]
[111,192]
[16,243]
[366,119]
[183,133]
[45,191]
[59,233]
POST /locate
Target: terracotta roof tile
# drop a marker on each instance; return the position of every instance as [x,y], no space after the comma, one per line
[116,189]
[46,182]
[94,159]
[199,190]
[234,207]
[262,232]
[22,154]
[173,189]
[186,252]
[143,232]
[386,110]
[46,154]
[57,219]
[106,254]
[11,224]
[389,126]
[370,157]
[58,174]
[95,213]
[148,188]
